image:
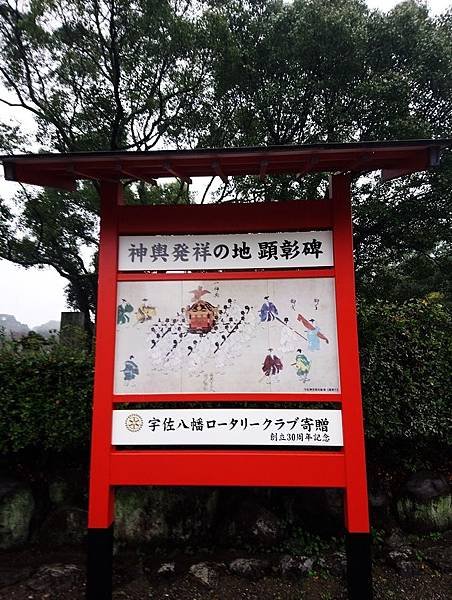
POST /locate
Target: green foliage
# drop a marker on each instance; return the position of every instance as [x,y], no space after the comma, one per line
[406,353]
[306,543]
[37,237]
[100,75]
[403,236]
[94,75]
[314,71]
[168,193]
[11,137]
[45,396]
[135,76]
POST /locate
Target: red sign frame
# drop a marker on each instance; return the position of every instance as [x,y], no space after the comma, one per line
[272,468]
[109,467]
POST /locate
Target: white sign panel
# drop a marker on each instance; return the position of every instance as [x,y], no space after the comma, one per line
[227,336]
[227,427]
[232,251]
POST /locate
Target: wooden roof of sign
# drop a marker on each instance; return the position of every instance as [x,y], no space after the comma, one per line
[394,158]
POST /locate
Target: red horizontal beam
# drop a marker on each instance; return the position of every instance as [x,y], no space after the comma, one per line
[217,276]
[224,218]
[45,178]
[137,398]
[228,468]
[52,170]
[230,162]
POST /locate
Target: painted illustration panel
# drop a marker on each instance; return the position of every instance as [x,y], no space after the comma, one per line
[228,336]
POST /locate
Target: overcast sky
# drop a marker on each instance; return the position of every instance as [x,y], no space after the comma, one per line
[35,296]
[435,6]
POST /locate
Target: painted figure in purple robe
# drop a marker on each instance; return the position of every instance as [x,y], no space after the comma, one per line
[272,364]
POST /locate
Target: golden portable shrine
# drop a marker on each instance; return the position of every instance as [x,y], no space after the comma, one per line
[201,314]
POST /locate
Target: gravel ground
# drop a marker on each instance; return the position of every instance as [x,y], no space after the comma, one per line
[35,573]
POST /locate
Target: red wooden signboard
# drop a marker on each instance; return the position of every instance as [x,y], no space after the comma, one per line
[342,467]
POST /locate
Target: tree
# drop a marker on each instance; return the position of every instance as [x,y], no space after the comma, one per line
[96,75]
[119,75]
[37,237]
[100,74]
[313,71]
[403,236]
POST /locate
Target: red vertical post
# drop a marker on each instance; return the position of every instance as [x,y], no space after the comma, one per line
[101,493]
[356,510]
[359,564]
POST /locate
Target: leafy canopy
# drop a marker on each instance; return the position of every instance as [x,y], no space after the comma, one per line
[120,75]
[95,76]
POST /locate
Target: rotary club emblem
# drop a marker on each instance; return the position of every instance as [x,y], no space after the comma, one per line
[134,423]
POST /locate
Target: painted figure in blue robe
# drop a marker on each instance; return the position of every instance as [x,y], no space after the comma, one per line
[130,369]
[123,309]
[313,336]
[268,310]
[313,333]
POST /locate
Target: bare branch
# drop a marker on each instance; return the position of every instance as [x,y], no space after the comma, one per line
[206,190]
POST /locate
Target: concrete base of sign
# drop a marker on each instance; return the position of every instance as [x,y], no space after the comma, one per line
[359,566]
[99,566]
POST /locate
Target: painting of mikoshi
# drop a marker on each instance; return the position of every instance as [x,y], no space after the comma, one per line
[230,336]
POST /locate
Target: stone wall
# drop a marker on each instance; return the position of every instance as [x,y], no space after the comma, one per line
[55,513]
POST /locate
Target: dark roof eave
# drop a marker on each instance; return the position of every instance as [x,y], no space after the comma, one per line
[62,170]
[442,142]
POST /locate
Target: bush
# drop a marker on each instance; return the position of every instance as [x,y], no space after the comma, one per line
[406,353]
[45,395]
